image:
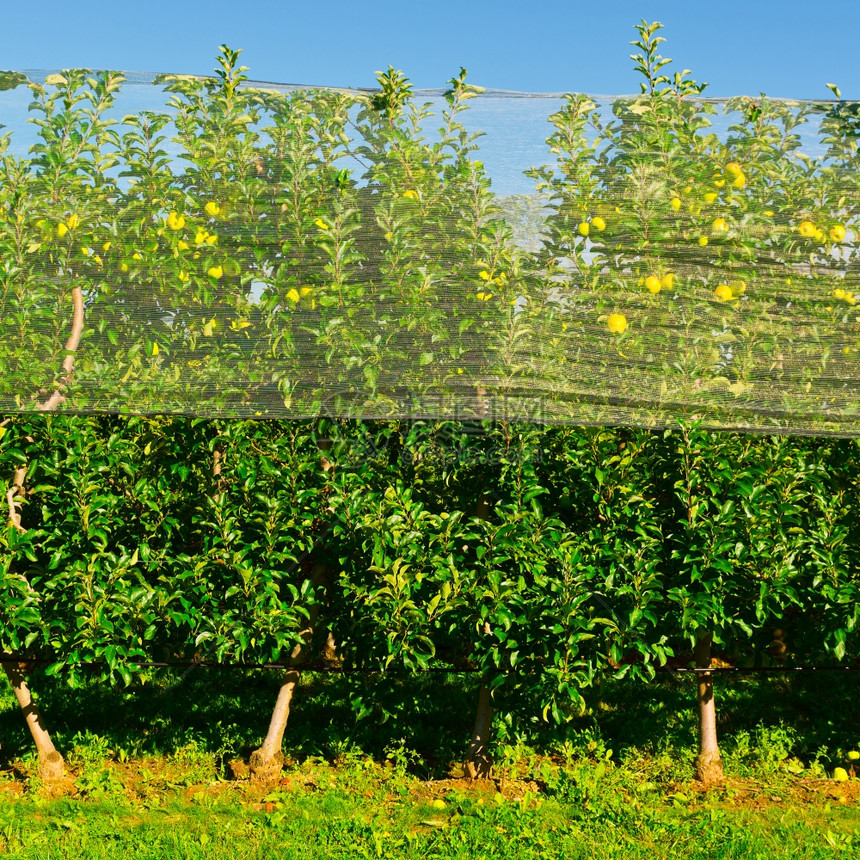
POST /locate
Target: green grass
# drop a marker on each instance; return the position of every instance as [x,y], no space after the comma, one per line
[361,809]
[370,772]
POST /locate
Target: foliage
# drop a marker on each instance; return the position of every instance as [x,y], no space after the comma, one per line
[268,279]
[157,783]
[320,251]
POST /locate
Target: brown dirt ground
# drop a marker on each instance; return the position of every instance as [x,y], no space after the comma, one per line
[147,778]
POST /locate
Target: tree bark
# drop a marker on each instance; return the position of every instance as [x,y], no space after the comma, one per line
[330,657]
[478,763]
[267,761]
[15,492]
[50,761]
[58,396]
[217,463]
[709,765]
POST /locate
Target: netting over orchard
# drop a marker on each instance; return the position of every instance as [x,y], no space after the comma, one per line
[217,247]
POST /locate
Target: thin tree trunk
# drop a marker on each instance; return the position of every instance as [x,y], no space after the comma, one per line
[329,652]
[58,396]
[217,463]
[709,765]
[478,763]
[50,761]
[15,492]
[267,761]
[778,647]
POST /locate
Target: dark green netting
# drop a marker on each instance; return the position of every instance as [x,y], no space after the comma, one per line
[218,247]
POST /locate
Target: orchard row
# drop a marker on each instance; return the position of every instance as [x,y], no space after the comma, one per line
[331,251]
[539,558]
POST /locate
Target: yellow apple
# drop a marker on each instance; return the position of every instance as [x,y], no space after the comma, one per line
[617,323]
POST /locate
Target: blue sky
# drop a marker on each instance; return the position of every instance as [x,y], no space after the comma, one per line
[784,48]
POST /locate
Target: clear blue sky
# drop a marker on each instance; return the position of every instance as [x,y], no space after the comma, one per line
[784,48]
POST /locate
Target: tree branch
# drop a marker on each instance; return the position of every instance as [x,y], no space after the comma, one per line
[16,491]
[71,348]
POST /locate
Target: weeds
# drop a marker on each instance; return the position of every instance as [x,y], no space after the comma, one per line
[613,783]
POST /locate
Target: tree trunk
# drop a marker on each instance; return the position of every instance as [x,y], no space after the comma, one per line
[267,761]
[50,761]
[217,463]
[709,765]
[58,395]
[478,763]
[331,659]
[15,492]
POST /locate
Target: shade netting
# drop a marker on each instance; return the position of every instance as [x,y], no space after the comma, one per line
[219,247]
